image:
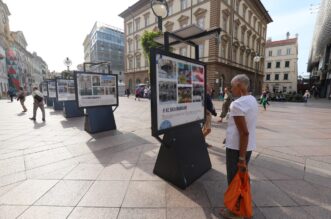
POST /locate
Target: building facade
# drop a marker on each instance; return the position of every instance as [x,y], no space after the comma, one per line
[243,36]
[281,65]
[319,63]
[18,67]
[105,44]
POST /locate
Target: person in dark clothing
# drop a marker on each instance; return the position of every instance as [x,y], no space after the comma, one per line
[38,103]
[127,92]
[11,94]
[210,110]
[21,97]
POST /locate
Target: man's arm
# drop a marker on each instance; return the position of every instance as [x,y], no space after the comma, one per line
[243,137]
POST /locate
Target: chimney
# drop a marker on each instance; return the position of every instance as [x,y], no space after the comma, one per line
[288,35]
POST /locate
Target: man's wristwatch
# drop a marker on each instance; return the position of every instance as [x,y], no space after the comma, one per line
[241,159]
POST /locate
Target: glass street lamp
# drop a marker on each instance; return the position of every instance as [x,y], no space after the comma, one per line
[160,10]
[256,59]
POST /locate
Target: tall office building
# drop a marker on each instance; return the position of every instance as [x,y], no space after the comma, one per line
[105,44]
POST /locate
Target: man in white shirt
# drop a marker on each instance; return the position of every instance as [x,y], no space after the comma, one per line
[38,102]
[240,133]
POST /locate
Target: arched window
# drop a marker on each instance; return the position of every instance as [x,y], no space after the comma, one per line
[130,84]
[138,81]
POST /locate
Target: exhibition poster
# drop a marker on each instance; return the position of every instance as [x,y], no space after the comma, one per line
[65,89]
[180,87]
[44,89]
[51,89]
[94,89]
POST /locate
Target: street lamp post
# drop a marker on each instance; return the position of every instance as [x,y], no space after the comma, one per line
[160,10]
[257,59]
[67,62]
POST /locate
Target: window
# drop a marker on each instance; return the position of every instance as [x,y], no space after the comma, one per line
[137,22]
[248,39]
[279,52]
[146,61]
[276,77]
[284,89]
[241,58]
[267,77]
[237,6]
[244,12]
[286,76]
[250,14]
[234,54]
[288,51]
[183,51]
[242,35]
[170,8]
[130,45]
[223,51]
[225,23]
[183,4]
[201,50]
[270,52]
[130,63]
[277,64]
[287,64]
[146,20]
[138,62]
[130,28]
[201,22]
[269,65]
[235,31]
[137,43]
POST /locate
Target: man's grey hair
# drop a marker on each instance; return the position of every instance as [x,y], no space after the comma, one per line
[241,79]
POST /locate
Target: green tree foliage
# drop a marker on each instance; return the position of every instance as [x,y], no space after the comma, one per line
[147,42]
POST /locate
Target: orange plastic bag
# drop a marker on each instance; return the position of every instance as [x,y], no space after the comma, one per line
[238,198]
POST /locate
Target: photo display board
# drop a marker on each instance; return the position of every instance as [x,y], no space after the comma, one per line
[51,89]
[44,88]
[96,89]
[178,91]
[65,90]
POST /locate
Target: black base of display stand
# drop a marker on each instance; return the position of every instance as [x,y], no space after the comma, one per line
[99,119]
[70,109]
[183,156]
[57,105]
[49,102]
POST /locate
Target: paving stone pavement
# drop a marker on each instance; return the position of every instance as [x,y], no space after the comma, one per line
[57,170]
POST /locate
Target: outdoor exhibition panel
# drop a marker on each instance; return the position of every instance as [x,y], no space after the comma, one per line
[44,88]
[65,89]
[51,89]
[179,89]
[177,106]
[96,89]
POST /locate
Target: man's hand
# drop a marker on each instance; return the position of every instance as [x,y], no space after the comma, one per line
[242,166]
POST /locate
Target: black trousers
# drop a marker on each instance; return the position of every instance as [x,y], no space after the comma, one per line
[232,159]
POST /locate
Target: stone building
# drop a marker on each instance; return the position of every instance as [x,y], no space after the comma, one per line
[281,65]
[244,24]
[18,67]
[319,63]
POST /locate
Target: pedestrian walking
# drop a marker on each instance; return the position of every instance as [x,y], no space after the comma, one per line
[11,94]
[38,102]
[226,104]
[240,133]
[21,97]
[127,92]
[264,100]
[138,93]
[210,110]
[306,96]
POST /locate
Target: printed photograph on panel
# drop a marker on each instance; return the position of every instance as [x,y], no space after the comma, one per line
[198,93]
[184,74]
[108,80]
[96,80]
[184,94]
[167,69]
[167,92]
[85,83]
[198,74]
[98,91]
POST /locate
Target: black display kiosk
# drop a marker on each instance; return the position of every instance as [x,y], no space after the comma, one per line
[183,156]
[99,114]
[65,93]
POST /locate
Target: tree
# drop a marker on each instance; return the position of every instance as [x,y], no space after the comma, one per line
[67,74]
[147,42]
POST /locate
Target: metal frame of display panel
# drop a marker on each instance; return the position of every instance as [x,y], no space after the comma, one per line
[48,81]
[95,73]
[154,107]
[42,87]
[57,97]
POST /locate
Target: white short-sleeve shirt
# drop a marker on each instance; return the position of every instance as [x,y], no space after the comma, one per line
[244,106]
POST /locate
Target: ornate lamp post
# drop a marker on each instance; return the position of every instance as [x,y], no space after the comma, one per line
[160,10]
[67,62]
[257,59]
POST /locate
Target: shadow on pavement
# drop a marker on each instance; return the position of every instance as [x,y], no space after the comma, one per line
[38,125]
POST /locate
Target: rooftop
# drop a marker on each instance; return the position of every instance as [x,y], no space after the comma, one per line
[281,42]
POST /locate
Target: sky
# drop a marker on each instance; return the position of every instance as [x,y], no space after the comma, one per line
[56,29]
